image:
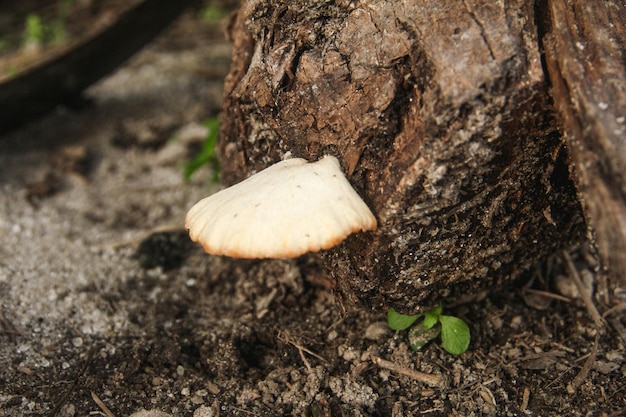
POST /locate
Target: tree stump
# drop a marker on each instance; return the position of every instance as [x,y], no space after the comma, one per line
[586,65]
[441,115]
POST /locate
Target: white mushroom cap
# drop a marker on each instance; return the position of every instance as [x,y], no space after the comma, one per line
[284,211]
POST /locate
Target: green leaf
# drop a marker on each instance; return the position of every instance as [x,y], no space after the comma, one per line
[399,321]
[455,334]
[207,155]
[212,14]
[431,317]
[35,30]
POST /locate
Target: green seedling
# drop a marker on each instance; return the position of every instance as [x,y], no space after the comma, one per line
[455,334]
[207,155]
[34,32]
[39,33]
[212,14]
[58,28]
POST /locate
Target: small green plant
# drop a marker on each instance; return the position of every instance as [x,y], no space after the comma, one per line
[207,155]
[212,14]
[38,32]
[455,334]
[58,28]
[34,31]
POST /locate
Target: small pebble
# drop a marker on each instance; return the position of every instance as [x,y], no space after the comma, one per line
[196,399]
[377,330]
[204,411]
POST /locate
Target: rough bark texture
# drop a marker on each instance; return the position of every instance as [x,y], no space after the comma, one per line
[441,116]
[587,67]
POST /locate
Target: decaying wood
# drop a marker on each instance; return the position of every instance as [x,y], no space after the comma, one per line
[586,64]
[441,116]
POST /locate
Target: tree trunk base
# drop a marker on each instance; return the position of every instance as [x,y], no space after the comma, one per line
[442,120]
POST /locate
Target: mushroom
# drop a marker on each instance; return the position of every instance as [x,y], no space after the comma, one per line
[284,211]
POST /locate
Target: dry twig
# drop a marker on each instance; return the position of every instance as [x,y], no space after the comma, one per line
[615,309]
[584,372]
[102,405]
[67,393]
[286,337]
[591,308]
[616,320]
[135,240]
[432,380]
[547,294]
[525,399]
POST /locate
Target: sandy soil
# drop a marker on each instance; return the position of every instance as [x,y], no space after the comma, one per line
[106,308]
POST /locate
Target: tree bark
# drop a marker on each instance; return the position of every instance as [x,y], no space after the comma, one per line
[441,116]
[586,64]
